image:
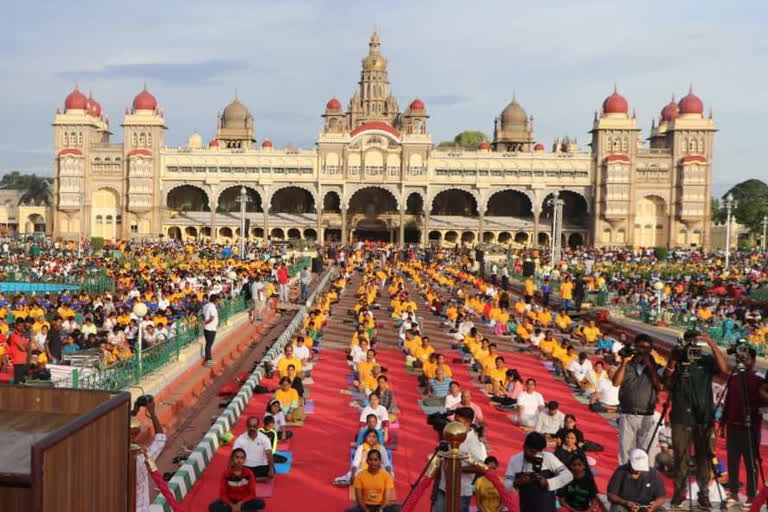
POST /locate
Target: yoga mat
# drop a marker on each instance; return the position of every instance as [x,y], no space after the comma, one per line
[431,409]
[308,380]
[264,488]
[309,407]
[284,467]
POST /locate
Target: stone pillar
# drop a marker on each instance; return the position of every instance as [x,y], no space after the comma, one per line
[214,234]
[535,241]
[425,229]
[266,225]
[344,235]
[480,230]
[401,240]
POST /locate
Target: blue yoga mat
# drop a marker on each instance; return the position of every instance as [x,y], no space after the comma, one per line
[284,467]
[431,409]
[309,406]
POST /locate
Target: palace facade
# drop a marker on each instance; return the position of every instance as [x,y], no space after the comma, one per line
[376,173]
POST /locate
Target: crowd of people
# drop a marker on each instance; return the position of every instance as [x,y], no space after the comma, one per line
[181,286]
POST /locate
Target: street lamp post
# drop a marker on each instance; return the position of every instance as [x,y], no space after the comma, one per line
[140,310]
[80,227]
[765,232]
[243,200]
[659,287]
[730,203]
[555,244]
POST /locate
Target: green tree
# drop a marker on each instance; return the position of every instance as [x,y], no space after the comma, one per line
[469,139]
[752,199]
[35,189]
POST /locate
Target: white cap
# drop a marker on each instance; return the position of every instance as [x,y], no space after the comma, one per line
[638,459]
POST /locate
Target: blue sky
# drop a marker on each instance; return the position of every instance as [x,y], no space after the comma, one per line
[465,59]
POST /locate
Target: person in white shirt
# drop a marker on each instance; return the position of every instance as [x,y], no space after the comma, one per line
[606,396]
[257,296]
[529,404]
[149,452]
[258,449]
[301,351]
[579,370]
[536,337]
[549,421]
[536,475]
[453,398]
[475,452]
[210,325]
[374,407]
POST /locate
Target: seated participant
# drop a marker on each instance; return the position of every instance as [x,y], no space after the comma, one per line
[278,416]
[580,494]
[636,485]
[529,404]
[453,398]
[373,486]
[591,332]
[549,421]
[360,458]
[513,388]
[289,401]
[438,389]
[371,422]
[237,491]
[568,448]
[382,416]
[579,370]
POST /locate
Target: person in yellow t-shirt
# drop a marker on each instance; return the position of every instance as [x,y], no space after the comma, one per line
[566,294]
[488,498]
[547,345]
[563,321]
[373,485]
[288,359]
[591,332]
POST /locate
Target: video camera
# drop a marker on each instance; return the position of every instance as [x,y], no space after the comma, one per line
[628,351]
[690,347]
[535,473]
[438,421]
[740,349]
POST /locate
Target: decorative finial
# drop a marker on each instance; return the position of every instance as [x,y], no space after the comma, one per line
[615,88]
[236,96]
[673,97]
[145,87]
[90,94]
[690,88]
[710,112]
[634,114]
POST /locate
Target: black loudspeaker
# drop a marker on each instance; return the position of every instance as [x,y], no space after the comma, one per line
[317,265]
[529,268]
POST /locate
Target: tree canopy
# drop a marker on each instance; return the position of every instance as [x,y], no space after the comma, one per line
[35,189]
[469,139]
[752,203]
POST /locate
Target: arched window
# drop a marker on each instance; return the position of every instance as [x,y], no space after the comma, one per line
[119,219]
[142,140]
[109,219]
[80,139]
[99,219]
[135,139]
[66,139]
[149,139]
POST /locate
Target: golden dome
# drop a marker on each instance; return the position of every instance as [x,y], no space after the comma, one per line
[235,115]
[195,141]
[374,63]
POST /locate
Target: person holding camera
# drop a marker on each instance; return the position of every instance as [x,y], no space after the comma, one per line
[638,381]
[536,475]
[688,377]
[635,486]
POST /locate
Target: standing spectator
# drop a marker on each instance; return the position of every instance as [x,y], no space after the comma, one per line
[305,278]
[258,449]
[210,325]
[237,492]
[536,485]
[53,344]
[151,452]
[736,433]
[20,348]
[258,298]
[639,385]
[635,486]
[282,283]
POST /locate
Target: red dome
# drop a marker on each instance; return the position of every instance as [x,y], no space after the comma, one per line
[483,145]
[93,107]
[417,105]
[615,104]
[214,143]
[538,147]
[669,112]
[144,101]
[266,144]
[691,104]
[333,104]
[76,101]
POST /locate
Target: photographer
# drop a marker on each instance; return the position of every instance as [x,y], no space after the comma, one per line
[638,381]
[733,422]
[688,376]
[536,475]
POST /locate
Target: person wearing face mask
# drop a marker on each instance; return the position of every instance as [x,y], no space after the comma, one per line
[536,475]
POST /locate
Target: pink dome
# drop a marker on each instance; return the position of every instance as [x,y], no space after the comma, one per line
[93,107]
[538,147]
[144,101]
[333,104]
[214,143]
[417,105]
[691,104]
[483,145]
[615,104]
[669,112]
[266,144]
[76,100]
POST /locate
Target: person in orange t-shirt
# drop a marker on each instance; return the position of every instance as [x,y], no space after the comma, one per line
[19,348]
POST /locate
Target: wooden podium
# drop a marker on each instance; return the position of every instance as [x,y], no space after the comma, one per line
[64,450]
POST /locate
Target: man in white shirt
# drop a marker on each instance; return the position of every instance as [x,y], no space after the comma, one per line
[579,370]
[258,449]
[536,475]
[551,420]
[529,404]
[475,450]
[606,397]
[210,324]
[301,350]
[453,398]
[257,296]
[151,452]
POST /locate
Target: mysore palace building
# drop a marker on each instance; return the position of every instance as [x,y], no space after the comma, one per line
[375,173]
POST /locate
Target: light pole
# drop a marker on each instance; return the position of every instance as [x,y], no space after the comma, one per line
[730,203]
[659,287]
[80,197]
[140,310]
[765,232]
[555,244]
[243,200]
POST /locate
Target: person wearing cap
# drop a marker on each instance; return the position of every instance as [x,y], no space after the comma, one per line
[635,486]
[536,475]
